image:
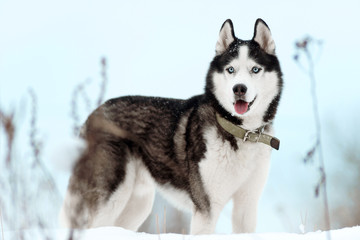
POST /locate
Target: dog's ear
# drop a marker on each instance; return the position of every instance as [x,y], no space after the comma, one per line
[226,37]
[262,36]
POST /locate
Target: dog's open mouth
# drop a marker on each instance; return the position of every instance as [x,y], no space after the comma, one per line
[242,106]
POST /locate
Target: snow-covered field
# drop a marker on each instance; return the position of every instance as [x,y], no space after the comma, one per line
[110,233]
[116,233]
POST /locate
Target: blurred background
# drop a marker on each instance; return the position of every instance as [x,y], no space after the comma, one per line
[163,48]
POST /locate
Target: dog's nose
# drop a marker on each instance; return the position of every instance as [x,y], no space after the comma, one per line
[239,89]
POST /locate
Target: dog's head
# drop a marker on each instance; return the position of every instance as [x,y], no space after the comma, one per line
[244,78]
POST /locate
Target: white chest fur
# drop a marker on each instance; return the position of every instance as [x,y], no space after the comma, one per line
[224,171]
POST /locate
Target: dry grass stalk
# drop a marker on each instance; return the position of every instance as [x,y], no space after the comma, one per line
[103,82]
[164,227]
[19,200]
[14,189]
[79,90]
[9,128]
[34,142]
[157,224]
[36,146]
[303,47]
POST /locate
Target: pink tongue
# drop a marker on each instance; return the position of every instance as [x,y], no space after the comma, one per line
[241,107]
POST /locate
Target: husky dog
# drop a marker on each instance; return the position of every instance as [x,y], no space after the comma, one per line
[200,152]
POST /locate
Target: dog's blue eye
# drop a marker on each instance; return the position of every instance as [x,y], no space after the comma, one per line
[255,70]
[230,70]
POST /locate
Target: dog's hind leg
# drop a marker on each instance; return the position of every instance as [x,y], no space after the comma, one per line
[141,201]
[95,196]
[74,214]
[108,211]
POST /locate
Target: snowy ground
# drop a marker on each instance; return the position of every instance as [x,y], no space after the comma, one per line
[117,233]
[110,233]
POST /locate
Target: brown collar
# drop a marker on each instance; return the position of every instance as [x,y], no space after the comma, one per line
[248,135]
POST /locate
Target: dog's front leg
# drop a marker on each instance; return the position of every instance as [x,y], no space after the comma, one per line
[244,214]
[246,198]
[245,203]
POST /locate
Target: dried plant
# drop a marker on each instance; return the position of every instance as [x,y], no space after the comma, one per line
[36,146]
[27,185]
[81,91]
[304,48]
[24,205]
[9,128]
[8,125]
[103,82]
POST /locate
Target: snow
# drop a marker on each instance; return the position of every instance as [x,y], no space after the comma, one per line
[117,233]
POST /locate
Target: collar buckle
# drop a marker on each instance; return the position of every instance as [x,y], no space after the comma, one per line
[246,136]
[257,134]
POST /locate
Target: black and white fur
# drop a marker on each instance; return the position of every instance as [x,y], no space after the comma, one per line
[137,144]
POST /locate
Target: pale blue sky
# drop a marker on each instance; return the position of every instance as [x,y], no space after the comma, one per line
[163,48]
